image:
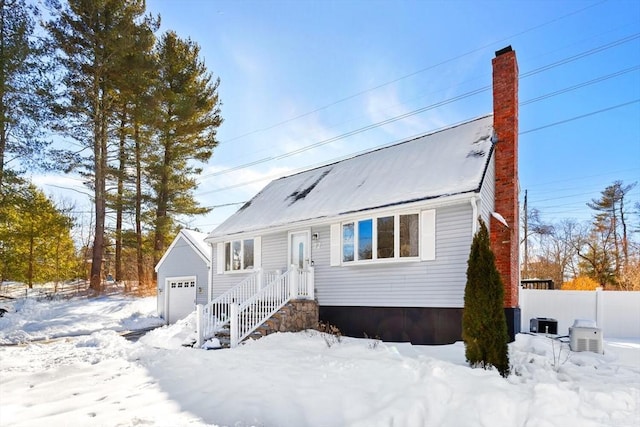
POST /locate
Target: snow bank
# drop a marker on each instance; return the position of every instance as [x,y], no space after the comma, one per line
[29,319]
[307,379]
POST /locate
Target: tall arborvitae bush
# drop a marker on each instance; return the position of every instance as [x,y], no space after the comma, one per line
[484,325]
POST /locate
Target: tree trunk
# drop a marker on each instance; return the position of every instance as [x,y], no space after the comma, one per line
[138,219]
[100,165]
[161,213]
[122,159]
[625,242]
[30,271]
[3,125]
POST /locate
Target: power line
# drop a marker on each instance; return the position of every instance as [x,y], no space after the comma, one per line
[562,197]
[455,58]
[584,54]
[580,85]
[445,102]
[546,184]
[224,205]
[242,184]
[350,133]
[581,116]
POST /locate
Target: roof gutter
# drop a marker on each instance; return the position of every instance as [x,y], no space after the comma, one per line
[474,216]
[432,203]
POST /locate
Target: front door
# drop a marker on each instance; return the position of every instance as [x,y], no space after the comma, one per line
[299,255]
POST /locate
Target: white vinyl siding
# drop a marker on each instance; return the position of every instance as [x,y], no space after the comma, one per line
[415,283]
[270,254]
[182,261]
[219,256]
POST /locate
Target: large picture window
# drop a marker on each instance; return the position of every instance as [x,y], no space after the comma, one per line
[381,238]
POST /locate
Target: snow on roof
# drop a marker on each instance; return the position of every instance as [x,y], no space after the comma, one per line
[443,163]
[197,240]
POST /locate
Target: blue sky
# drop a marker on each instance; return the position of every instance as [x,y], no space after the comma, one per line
[298,73]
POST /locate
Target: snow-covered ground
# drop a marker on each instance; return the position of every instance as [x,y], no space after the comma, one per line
[91,375]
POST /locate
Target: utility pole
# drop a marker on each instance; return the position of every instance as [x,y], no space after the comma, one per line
[526,237]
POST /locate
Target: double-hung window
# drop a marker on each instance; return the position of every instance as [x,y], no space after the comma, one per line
[237,255]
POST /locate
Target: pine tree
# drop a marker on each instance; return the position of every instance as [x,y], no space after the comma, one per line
[23,88]
[92,39]
[134,106]
[484,325]
[608,261]
[36,238]
[187,122]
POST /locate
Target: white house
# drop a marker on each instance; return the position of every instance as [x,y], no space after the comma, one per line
[183,276]
[384,237]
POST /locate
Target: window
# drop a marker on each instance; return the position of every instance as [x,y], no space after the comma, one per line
[365,239]
[409,235]
[347,242]
[239,255]
[381,238]
[386,239]
[247,257]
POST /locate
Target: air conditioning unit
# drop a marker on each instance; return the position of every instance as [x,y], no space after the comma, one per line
[585,336]
[543,325]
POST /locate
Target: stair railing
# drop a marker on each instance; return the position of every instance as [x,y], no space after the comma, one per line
[216,314]
[246,317]
[249,315]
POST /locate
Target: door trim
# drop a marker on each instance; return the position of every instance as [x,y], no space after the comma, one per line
[307,233]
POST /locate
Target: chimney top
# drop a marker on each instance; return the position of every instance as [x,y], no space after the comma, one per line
[503,50]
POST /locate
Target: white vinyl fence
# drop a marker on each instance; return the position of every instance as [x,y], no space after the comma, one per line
[616,313]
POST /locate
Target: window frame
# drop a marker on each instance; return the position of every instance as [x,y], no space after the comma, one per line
[228,246]
[375,259]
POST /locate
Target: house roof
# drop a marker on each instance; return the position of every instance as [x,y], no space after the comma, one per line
[195,239]
[444,163]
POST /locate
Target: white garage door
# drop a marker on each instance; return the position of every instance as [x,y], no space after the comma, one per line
[182,297]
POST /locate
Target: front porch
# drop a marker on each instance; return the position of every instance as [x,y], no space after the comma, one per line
[256,306]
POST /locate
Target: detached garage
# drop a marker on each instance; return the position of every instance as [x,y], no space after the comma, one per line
[183,276]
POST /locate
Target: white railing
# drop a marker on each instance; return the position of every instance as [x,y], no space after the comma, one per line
[304,282]
[248,316]
[216,314]
[249,304]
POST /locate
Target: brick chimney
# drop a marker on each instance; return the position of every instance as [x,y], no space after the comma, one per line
[505,239]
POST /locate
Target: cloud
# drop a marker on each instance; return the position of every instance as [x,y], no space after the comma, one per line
[62,186]
[239,185]
[385,104]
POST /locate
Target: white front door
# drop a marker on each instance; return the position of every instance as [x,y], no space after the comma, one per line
[299,253]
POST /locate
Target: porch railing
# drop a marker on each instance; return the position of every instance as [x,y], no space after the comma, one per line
[216,314]
[250,303]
